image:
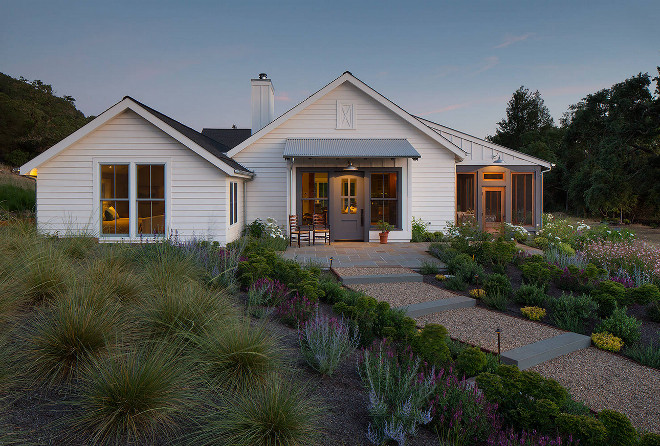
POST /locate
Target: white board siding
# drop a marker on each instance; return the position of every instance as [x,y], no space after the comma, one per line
[197,190]
[432,176]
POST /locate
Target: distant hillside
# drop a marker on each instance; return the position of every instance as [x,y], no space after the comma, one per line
[32,119]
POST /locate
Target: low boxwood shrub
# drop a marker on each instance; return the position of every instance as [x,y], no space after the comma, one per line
[530,295]
[609,294]
[443,251]
[620,430]
[572,278]
[587,429]
[622,326]
[649,439]
[332,290]
[653,311]
[471,361]
[571,312]
[498,288]
[455,283]
[431,344]
[643,295]
[536,271]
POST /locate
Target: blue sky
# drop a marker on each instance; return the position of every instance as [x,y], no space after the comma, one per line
[456,63]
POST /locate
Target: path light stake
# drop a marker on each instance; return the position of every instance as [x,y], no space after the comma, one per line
[331,259]
[498,331]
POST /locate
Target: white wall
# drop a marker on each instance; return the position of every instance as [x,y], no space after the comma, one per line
[432,179]
[67,197]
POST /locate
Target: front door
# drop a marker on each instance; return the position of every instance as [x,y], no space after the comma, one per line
[493,208]
[349,208]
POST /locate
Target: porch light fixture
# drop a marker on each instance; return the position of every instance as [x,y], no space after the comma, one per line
[350,166]
[499,159]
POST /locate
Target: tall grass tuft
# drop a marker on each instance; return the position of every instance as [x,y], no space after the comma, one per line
[46,272]
[12,297]
[138,396]
[117,279]
[183,309]
[78,246]
[166,264]
[274,412]
[238,355]
[648,355]
[78,326]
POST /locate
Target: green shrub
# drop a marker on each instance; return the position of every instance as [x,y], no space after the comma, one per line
[443,251]
[134,397]
[530,295]
[455,347]
[332,290]
[609,294]
[570,312]
[471,361]
[498,289]
[643,295]
[649,439]
[587,429]
[653,311]
[539,273]
[606,304]
[502,252]
[238,355]
[429,268]
[620,430]
[455,283]
[76,328]
[622,326]
[648,355]
[431,344]
[16,199]
[541,242]
[275,412]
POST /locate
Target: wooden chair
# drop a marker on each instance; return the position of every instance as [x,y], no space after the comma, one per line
[320,228]
[295,230]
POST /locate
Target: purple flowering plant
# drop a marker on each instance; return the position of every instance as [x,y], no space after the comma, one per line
[326,341]
[296,309]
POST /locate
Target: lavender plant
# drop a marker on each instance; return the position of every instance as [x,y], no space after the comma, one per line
[398,393]
[326,342]
[296,309]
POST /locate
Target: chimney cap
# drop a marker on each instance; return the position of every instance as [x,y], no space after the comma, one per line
[263,76]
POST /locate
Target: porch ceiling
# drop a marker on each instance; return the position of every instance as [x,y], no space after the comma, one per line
[349,148]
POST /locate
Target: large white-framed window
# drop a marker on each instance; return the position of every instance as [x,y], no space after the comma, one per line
[137,190]
[233,202]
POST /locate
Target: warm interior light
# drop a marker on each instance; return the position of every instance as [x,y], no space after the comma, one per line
[33,172]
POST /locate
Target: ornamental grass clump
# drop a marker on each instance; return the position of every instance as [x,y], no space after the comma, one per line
[326,342]
[533,313]
[275,412]
[133,397]
[46,272]
[80,325]
[607,341]
[399,393]
[648,355]
[238,355]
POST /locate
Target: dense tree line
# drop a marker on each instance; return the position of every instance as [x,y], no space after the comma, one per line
[606,149]
[32,118]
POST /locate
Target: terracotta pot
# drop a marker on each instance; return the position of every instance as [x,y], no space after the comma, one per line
[383,237]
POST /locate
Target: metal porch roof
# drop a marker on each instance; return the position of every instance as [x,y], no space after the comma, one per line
[349,148]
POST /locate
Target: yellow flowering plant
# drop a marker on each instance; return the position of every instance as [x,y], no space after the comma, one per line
[477,293]
[440,277]
[607,341]
[533,313]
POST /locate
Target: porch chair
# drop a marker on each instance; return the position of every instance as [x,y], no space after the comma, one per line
[295,230]
[320,228]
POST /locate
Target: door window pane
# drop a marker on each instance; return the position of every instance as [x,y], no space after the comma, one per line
[349,196]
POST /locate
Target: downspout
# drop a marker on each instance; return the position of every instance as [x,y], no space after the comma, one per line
[542,194]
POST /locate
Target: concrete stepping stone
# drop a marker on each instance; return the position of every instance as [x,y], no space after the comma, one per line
[436,306]
[532,354]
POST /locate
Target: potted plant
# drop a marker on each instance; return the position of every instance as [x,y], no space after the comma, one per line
[385,229]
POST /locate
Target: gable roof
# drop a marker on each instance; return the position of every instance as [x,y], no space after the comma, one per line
[496,147]
[228,137]
[348,77]
[207,148]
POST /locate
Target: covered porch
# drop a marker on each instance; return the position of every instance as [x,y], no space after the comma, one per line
[354,254]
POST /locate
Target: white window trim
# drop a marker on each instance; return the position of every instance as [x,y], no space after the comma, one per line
[340,124]
[132,195]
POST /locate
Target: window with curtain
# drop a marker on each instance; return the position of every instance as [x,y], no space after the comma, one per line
[384,198]
[151,199]
[314,194]
[523,198]
[114,199]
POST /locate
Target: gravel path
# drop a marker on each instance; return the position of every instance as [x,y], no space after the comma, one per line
[477,326]
[398,294]
[371,271]
[605,381]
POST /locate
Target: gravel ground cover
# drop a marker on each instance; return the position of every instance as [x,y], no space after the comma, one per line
[477,326]
[372,271]
[606,381]
[399,294]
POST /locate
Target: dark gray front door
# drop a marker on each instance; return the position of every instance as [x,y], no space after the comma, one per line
[348,212]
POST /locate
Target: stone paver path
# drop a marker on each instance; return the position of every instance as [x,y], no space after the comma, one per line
[477,326]
[348,254]
[606,381]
